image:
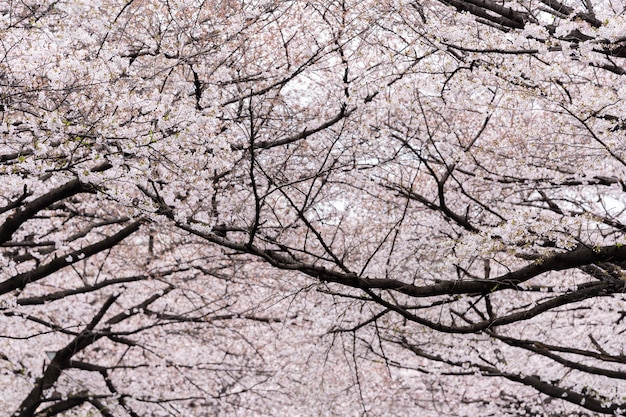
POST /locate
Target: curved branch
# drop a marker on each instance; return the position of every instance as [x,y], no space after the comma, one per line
[552,390]
[537,310]
[61,361]
[29,210]
[546,351]
[575,258]
[21,280]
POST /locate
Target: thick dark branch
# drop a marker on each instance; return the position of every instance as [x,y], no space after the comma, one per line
[61,406]
[15,155]
[584,400]
[491,12]
[538,309]
[494,14]
[558,7]
[544,350]
[21,280]
[29,210]
[575,258]
[554,391]
[66,190]
[557,262]
[61,361]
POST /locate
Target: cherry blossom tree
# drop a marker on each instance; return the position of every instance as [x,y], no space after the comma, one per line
[312,208]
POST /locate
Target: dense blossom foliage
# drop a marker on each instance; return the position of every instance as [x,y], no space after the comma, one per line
[312,207]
